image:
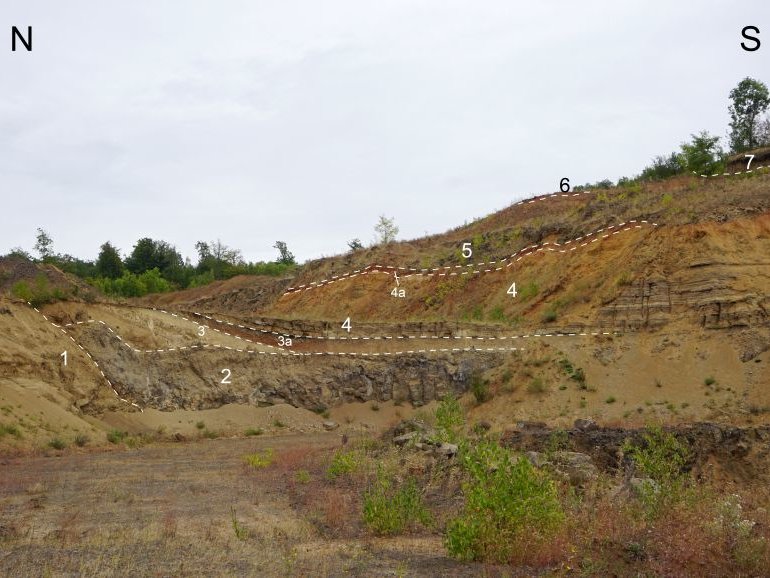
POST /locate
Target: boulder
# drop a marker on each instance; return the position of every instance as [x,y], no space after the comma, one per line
[574,467]
[585,424]
[531,425]
[446,449]
[409,425]
[537,459]
[578,467]
[412,436]
[330,425]
[643,486]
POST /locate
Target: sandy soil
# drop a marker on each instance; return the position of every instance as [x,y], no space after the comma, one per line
[168,510]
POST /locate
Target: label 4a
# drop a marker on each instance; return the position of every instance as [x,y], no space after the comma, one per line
[397,292]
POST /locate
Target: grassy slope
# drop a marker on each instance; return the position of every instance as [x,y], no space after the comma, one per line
[700,219]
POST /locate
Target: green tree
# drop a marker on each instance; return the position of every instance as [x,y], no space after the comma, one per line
[44,244]
[285,256]
[355,244]
[109,264]
[217,258]
[702,155]
[662,167]
[386,230]
[150,254]
[750,100]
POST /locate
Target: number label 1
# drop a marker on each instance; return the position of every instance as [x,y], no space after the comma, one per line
[512,290]
[751,158]
[467,250]
[226,379]
[64,357]
[346,325]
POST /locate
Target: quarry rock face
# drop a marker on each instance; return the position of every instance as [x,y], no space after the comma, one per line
[602,448]
[193,380]
[712,301]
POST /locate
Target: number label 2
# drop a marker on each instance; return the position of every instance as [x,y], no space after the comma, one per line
[227,374]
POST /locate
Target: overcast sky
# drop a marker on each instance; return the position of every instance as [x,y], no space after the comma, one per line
[256,121]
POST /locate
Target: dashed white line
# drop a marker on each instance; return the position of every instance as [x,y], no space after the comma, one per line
[447,270]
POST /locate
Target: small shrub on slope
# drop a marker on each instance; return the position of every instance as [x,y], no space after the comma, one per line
[510,507]
[343,463]
[660,457]
[449,420]
[389,510]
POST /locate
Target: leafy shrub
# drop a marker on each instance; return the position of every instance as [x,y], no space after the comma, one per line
[558,440]
[498,314]
[342,463]
[260,459]
[709,381]
[510,508]
[115,436]
[57,444]
[132,284]
[575,373]
[449,419]
[81,440]
[528,290]
[662,167]
[388,510]
[200,425]
[536,386]
[10,430]
[303,476]
[610,399]
[480,389]
[549,316]
[39,294]
[661,457]
[21,290]
[254,431]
